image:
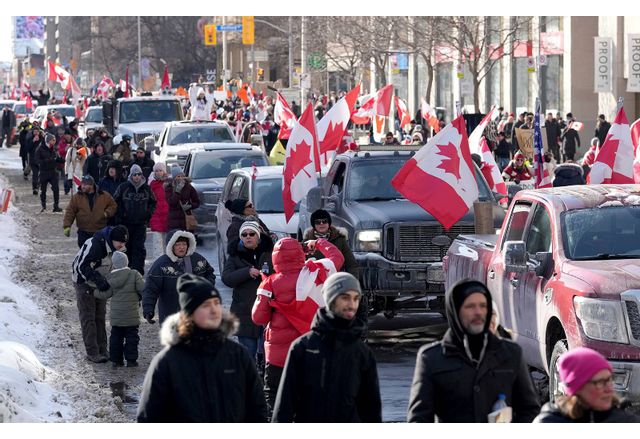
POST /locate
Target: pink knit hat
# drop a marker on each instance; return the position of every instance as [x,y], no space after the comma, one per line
[578,366]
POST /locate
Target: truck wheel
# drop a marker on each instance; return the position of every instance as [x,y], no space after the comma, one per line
[554,377]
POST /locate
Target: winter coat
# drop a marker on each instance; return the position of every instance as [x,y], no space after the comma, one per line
[48,160]
[125,293]
[339,237]
[553,133]
[90,264]
[111,185]
[90,219]
[160,283]
[32,147]
[158,221]
[135,205]
[74,163]
[601,132]
[570,141]
[280,288]
[25,133]
[233,232]
[330,375]
[96,166]
[512,172]
[146,164]
[551,413]
[568,174]
[63,146]
[204,378]
[188,195]
[503,149]
[236,275]
[200,109]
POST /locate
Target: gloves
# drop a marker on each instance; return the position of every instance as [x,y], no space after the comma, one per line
[103,285]
[186,206]
[67,231]
[148,316]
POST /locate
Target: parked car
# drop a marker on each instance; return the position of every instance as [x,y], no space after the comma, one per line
[21,111]
[398,245]
[40,113]
[265,192]
[564,273]
[208,170]
[178,138]
[91,120]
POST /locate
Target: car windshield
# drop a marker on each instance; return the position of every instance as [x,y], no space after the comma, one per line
[267,195]
[94,115]
[150,111]
[66,111]
[199,134]
[370,180]
[20,109]
[602,233]
[216,165]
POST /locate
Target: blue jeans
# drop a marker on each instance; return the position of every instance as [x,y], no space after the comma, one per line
[250,343]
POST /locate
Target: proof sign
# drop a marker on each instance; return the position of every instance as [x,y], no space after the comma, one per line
[603,62]
[633,47]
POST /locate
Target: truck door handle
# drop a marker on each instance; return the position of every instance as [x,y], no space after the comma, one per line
[514,282]
[492,274]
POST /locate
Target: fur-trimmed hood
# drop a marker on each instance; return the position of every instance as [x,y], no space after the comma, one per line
[169,330]
[174,238]
[334,233]
[569,169]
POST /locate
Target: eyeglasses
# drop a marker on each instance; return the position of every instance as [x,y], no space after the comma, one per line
[602,383]
[251,234]
[137,174]
[321,221]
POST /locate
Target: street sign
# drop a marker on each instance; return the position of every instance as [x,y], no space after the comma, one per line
[259,55]
[531,65]
[460,70]
[316,60]
[210,35]
[211,75]
[542,60]
[229,27]
[248,30]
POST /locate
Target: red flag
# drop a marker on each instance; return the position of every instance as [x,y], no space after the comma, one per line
[60,75]
[126,82]
[614,163]
[283,116]
[366,110]
[403,112]
[383,100]
[635,139]
[254,171]
[490,168]
[475,145]
[28,102]
[166,83]
[429,115]
[301,162]
[444,166]
[333,124]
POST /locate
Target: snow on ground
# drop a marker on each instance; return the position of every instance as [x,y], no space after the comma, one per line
[26,393]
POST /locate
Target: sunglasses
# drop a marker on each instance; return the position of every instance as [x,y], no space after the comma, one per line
[137,174]
[252,234]
[321,221]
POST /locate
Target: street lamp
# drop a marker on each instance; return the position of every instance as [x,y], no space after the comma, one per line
[290,35]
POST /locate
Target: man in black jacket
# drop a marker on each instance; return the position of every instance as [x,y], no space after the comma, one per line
[570,140]
[136,204]
[330,374]
[459,378]
[201,375]
[8,125]
[602,128]
[47,158]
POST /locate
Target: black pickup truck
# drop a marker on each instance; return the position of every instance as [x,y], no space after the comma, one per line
[398,245]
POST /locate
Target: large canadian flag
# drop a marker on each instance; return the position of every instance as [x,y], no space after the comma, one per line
[440,177]
[301,162]
[429,115]
[635,139]
[614,163]
[103,86]
[366,110]
[474,138]
[403,112]
[284,117]
[58,74]
[332,126]
[383,100]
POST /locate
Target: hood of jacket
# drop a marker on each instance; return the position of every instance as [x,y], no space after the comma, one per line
[234,248]
[169,331]
[118,278]
[288,255]
[327,323]
[334,232]
[454,298]
[174,239]
[568,170]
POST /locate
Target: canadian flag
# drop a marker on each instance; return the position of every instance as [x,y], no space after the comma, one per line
[332,126]
[429,115]
[366,110]
[474,138]
[403,112]
[74,88]
[443,166]
[575,125]
[166,82]
[58,74]
[614,163]
[283,116]
[489,167]
[301,162]
[635,139]
[383,100]
[104,85]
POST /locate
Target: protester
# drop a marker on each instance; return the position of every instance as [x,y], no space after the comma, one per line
[96,164]
[8,126]
[330,374]
[517,170]
[145,163]
[33,144]
[502,151]
[158,222]
[125,293]
[242,210]
[123,152]
[113,178]
[201,375]
[570,140]
[181,198]
[553,136]
[64,144]
[25,128]
[201,103]
[568,174]
[48,160]
[602,128]
[74,163]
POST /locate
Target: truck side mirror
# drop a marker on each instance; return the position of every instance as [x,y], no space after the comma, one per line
[332,202]
[515,257]
[314,199]
[545,263]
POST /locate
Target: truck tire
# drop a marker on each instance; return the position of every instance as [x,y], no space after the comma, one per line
[554,378]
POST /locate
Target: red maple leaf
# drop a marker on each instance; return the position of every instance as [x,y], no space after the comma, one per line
[322,271]
[451,163]
[332,138]
[297,161]
[607,154]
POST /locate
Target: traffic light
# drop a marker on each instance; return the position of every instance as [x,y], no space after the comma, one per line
[247,30]
[260,74]
[210,35]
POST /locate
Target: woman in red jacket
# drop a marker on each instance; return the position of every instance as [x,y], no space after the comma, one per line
[157,179]
[276,294]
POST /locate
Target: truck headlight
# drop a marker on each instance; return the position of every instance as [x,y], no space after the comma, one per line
[368,240]
[601,319]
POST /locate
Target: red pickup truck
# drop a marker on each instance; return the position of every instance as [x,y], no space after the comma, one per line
[564,271]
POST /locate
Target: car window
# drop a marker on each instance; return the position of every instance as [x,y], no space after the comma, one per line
[199,134]
[150,111]
[67,111]
[267,195]
[208,165]
[235,188]
[94,115]
[517,222]
[539,235]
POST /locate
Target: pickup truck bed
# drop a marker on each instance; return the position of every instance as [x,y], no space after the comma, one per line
[469,256]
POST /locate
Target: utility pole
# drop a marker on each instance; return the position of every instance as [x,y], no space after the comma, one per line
[290,51]
[224,50]
[303,69]
[139,57]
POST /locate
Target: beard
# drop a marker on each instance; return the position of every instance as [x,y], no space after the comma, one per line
[475,329]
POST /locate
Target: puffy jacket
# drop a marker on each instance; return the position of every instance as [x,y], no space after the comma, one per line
[205,378]
[236,275]
[160,283]
[330,375]
[135,205]
[339,237]
[125,294]
[88,264]
[32,147]
[158,222]
[188,195]
[280,288]
[568,174]
[90,219]
[48,160]
[551,413]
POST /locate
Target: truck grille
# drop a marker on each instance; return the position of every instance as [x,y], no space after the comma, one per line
[412,242]
[211,197]
[634,318]
[138,138]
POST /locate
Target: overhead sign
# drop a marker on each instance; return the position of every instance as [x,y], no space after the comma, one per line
[248,34]
[603,65]
[633,47]
[229,27]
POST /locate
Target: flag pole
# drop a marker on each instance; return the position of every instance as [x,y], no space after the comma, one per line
[620,104]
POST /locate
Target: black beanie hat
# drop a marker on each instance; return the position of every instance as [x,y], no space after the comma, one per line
[236,206]
[320,214]
[193,291]
[119,233]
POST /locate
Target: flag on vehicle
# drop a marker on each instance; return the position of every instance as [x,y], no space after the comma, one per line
[478,132]
[332,126]
[283,116]
[403,112]
[166,82]
[429,115]
[444,166]
[538,151]
[614,163]
[301,162]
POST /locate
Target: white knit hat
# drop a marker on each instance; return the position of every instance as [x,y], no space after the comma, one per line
[249,225]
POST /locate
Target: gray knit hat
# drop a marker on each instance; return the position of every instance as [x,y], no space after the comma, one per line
[48,138]
[119,260]
[339,283]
